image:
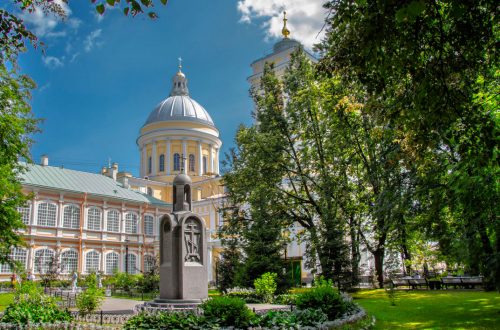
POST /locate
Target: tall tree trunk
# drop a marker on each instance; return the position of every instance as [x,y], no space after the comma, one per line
[406,256]
[378,255]
[355,255]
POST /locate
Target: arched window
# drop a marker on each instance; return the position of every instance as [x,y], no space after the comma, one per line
[16,254]
[92,261]
[205,165]
[148,225]
[94,219]
[112,265]
[150,165]
[177,162]
[113,221]
[25,212]
[71,217]
[131,223]
[47,214]
[191,163]
[44,260]
[69,261]
[150,191]
[149,263]
[162,163]
[130,263]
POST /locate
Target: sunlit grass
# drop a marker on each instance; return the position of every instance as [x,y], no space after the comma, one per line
[444,309]
[5,300]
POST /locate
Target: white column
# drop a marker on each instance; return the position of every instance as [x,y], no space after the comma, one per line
[144,161]
[200,159]
[210,263]
[30,257]
[154,160]
[168,157]
[211,158]
[141,165]
[60,210]
[217,160]
[184,155]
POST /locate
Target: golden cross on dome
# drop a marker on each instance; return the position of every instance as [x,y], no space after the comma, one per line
[180,63]
[285,31]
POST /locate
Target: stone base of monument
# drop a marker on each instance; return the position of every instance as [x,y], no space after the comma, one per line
[170,305]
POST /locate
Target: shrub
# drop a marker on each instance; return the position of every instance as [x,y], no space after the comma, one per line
[248,295]
[167,320]
[123,281]
[279,320]
[89,300]
[265,286]
[310,317]
[32,306]
[227,311]
[325,298]
[293,320]
[285,299]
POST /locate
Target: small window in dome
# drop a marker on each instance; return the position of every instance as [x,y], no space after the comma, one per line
[150,165]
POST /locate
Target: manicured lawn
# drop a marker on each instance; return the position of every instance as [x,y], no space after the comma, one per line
[445,309]
[5,300]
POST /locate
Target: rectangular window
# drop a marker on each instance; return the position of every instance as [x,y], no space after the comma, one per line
[25,212]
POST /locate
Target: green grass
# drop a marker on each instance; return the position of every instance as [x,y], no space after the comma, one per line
[444,309]
[5,300]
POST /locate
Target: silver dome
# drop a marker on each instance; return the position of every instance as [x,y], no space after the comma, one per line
[179,106]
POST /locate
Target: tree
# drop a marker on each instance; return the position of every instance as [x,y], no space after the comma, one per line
[431,67]
[16,126]
[252,219]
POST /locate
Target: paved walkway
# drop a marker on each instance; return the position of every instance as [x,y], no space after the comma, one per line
[119,305]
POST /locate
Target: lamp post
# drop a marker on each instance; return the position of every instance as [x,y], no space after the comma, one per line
[126,255]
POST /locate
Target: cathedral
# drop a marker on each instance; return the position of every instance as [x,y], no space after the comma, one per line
[109,221]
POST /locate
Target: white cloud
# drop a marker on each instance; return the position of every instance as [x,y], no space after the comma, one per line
[44,87]
[92,40]
[73,57]
[52,62]
[48,24]
[305,18]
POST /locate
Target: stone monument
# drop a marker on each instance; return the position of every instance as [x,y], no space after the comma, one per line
[183,250]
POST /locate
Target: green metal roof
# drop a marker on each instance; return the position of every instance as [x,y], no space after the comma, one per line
[83,182]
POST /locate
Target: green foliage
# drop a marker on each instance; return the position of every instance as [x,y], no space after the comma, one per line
[16,126]
[89,300]
[430,73]
[123,281]
[265,286]
[325,298]
[227,311]
[293,320]
[167,320]
[391,294]
[229,263]
[32,306]
[285,299]
[248,295]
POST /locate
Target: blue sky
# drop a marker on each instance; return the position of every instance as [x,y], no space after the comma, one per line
[100,77]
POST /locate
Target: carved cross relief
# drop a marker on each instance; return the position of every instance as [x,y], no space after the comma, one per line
[192,238]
